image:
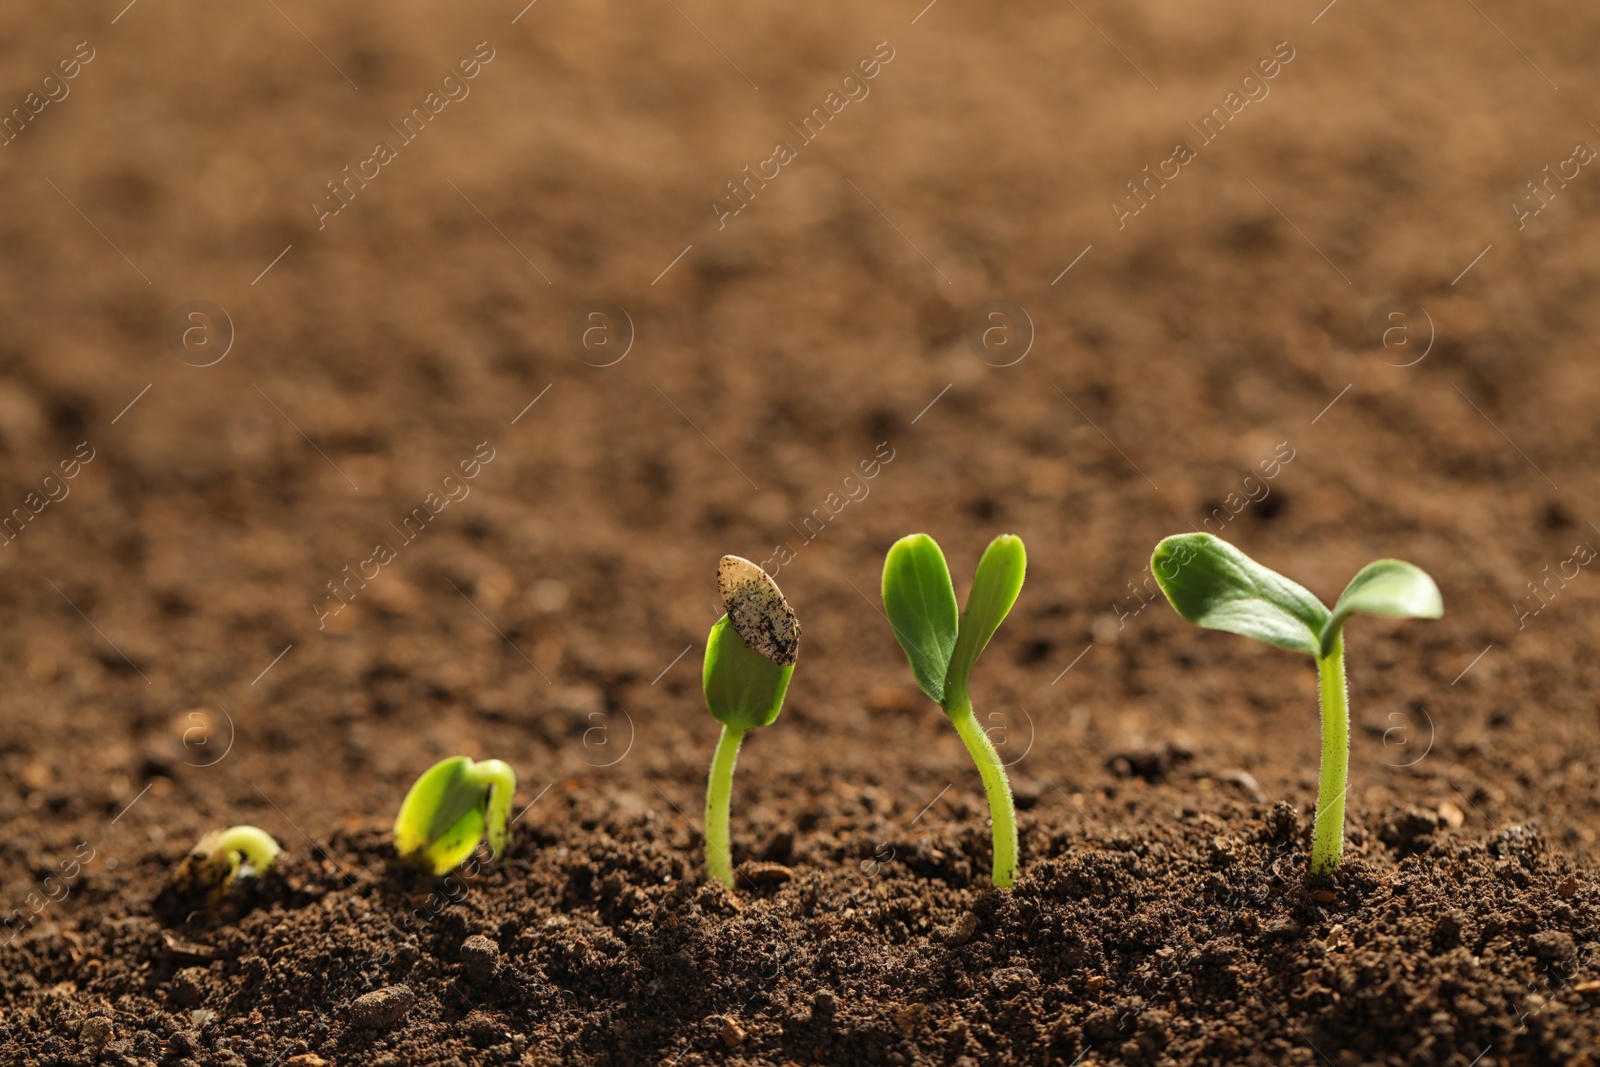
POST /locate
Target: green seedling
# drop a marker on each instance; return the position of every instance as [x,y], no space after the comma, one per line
[942,647]
[454,805]
[224,855]
[1213,584]
[750,657]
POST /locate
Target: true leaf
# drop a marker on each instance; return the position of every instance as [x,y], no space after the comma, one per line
[1212,584]
[743,688]
[995,586]
[1389,587]
[921,604]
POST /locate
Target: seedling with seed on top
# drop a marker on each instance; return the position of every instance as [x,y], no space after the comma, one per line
[750,657]
[1213,584]
[943,645]
[221,856]
[454,805]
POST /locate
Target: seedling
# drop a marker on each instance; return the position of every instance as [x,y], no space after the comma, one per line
[1213,584]
[942,647]
[750,657]
[223,855]
[454,805]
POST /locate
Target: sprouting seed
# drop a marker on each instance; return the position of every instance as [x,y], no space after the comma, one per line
[224,855]
[454,805]
[1213,584]
[750,658]
[943,645]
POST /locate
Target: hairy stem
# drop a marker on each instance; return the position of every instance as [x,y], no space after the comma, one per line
[1327,839]
[719,790]
[1002,810]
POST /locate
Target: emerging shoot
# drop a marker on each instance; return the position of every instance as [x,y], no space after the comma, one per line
[943,646]
[454,805]
[750,657]
[1213,584]
[223,855]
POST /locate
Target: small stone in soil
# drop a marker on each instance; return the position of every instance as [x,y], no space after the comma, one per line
[766,873]
[733,1034]
[1553,945]
[96,1031]
[184,1043]
[306,1059]
[960,931]
[824,1001]
[485,1030]
[381,1008]
[1282,926]
[188,987]
[479,958]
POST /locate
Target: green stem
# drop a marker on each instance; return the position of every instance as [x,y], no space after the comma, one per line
[254,845]
[719,790]
[500,781]
[1002,810]
[1327,838]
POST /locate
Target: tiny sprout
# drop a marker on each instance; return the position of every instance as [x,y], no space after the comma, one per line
[454,805]
[943,646]
[750,658]
[1213,584]
[223,855]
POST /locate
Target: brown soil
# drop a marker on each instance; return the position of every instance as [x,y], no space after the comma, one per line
[174,665]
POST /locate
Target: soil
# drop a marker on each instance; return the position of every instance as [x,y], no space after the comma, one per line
[414,510]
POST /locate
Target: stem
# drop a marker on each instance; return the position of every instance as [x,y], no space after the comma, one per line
[1002,810]
[255,845]
[1327,837]
[719,790]
[500,783]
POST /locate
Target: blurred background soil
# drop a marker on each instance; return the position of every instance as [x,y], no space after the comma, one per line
[173,659]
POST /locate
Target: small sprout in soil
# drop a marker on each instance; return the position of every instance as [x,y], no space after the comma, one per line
[1213,584]
[451,808]
[223,855]
[942,647]
[750,657]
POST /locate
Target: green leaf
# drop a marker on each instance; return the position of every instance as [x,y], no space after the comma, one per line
[743,688]
[921,604]
[995,586]
[1213,584]
[1389,587]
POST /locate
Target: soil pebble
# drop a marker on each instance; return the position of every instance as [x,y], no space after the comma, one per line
[96,1031]
[184,1043]
[381,1008]
[1552,946]
[960,931]
[480,957]
[766,874]
[188,987]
